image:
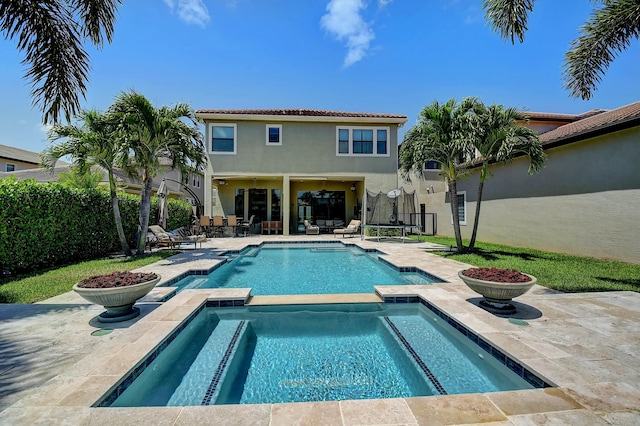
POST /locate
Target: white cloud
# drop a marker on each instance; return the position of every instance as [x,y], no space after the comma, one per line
[190,11]
[44,127]
[383,3]
[344,21]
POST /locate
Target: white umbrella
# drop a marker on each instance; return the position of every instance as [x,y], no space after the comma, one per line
[163,211]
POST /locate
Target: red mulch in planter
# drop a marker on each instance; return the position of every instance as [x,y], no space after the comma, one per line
[117,279]
[496,275]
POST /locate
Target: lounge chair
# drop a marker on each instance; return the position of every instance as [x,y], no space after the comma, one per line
[175,238]
[351,229]
[311,229]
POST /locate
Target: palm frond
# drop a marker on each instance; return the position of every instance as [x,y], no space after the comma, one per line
[608,32]
[49,34]
[508,17]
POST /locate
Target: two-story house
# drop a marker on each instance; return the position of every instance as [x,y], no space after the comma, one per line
[294,164]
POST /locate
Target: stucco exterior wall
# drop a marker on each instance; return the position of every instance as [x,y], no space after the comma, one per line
[586,201]
[307,148]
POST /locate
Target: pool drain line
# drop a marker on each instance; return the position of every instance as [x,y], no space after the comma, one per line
[432,378]
[215,380]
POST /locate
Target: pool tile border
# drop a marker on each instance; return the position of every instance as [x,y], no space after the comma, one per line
[529,376]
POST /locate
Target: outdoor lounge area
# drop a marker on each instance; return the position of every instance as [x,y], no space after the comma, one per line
[585,344]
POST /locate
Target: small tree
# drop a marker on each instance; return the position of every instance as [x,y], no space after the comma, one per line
[439,135]
[496,135]
[91,143]
[148,134]
[77,179]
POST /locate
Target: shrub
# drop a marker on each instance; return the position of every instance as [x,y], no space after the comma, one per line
[42,225]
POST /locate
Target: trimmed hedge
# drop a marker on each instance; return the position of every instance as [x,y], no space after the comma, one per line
[43,225]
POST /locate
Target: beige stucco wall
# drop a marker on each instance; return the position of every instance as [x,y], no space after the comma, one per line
[19,165]
[307,148]
[586,201]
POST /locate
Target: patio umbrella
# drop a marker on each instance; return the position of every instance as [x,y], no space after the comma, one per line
[163,211]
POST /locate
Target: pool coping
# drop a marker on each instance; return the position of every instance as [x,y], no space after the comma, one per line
[584,392]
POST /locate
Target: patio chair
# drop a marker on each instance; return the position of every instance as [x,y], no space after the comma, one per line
[217,225]
[205,225]
[246,225]
[176,238]
[351,229]
[232,222]
[311,229]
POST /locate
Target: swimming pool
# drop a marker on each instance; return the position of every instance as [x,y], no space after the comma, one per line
[256,355]
[309,268]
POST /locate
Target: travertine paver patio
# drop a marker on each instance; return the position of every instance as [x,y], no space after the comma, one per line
[52,370]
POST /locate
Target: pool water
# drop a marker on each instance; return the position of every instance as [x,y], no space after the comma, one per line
[277,354]
[328,268]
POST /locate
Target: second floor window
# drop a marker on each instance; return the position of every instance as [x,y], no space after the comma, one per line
[10,167]
[363,141]
[274,134]
[223,138]
[196,181]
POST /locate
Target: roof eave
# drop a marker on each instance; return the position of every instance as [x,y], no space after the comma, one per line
[301,118]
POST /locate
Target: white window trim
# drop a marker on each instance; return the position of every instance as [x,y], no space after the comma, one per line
[270,126]
[466,213]
[6,167]
[235,139]
[375,141]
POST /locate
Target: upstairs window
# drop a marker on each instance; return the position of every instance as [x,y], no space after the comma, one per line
[343,141]
[432,165]
[10,167]
[223,138]
[363,141]
[381,147]
[274,134]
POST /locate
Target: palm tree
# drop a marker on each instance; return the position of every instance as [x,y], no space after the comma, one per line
[148,134]
[609,31]
[92,143]
[76,178]
[51,34]
[496,136]
[439,136]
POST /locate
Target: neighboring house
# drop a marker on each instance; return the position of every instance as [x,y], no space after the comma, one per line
[295,164]
[586,201]
[15,159]
[26,165]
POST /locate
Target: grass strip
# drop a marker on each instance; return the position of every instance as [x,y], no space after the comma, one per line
[41,285]
[571,274]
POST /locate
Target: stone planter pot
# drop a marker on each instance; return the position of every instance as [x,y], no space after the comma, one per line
[498,295]
[118,301]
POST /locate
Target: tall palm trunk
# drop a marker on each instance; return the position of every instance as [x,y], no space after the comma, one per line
[453,190]
[116,216]
[145,208]
[472,243]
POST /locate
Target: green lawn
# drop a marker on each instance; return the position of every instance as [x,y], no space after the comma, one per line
[558,271]
[45,284]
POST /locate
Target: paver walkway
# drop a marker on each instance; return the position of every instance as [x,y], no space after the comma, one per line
[52,369]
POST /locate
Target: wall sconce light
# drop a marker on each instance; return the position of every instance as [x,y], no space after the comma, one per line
[353,187]
[222,182]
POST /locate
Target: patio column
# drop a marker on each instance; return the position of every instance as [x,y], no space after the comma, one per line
[286,204]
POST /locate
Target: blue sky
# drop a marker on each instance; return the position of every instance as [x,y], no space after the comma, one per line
[388,56]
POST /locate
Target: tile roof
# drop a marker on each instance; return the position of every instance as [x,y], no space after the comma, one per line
[594,123]
[552,116]
[304,112]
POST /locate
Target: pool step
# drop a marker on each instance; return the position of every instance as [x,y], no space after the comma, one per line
[194,283]
[407,333]
[202,380]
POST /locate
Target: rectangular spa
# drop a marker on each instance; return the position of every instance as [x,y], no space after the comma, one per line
[306,268]
[277,354]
